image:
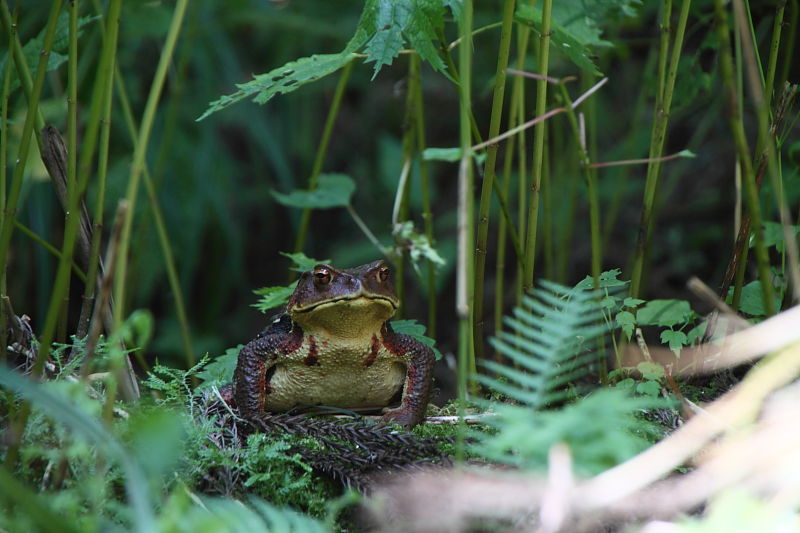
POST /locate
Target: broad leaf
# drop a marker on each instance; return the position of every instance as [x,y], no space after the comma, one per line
[675,339]
[664,313]
[302,262]
[333,190]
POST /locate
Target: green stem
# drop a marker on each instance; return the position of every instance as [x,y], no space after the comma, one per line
[466,361]
[47,246]
[538,147]
[743,152]
[322,150]
[774,48]
[3,176]
[427,214]
[488,179]
[139,153]
[762,114]
[9,221]
[661,113]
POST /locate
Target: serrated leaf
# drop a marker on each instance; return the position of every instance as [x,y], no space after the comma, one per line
[696,332]
[33,48]
[626,321]
[414,329]
[632,302]
[664,313]
[282,80]
[302,262]
[606,280]
[676,340]
[272,297]
[333,190]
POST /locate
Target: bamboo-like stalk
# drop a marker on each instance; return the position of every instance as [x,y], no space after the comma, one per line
[658,136]
[27,130]
[488,179]
[319,159]
[139,154]
[14,192]
[789,42]
[538,147]
[427,213]
[743,152]
[774,48]
[762,114]
[515,116]
[3,176]
[464,279]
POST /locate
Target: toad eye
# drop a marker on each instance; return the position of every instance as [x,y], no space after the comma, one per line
[383,273]
[322,276]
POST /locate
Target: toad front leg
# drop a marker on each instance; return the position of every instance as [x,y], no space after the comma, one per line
[419,360]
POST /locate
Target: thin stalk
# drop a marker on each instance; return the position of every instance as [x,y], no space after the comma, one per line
[789,42]
[762,114]
[427,214]
[774,48]
[743,152]
[538,147]
[658,136]
[139,153]
[3,176]
[14,192]
[322,150]
[47,246]
[488,178]
[464,280]
[514,117]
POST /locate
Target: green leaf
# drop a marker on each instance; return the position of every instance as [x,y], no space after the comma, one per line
[626,321]
[451,155]
[606,280]
[609,302]
[664,313]
[632,302]
[333,190]
[650,370]
[773,235]
[302,262]
[33,48]
[676,340]
[575,26]
[696,333]
[414,329]
[752,299]
[282,80]
[398,21]
[273,297]
[417,244]
[649,388]
[220,370]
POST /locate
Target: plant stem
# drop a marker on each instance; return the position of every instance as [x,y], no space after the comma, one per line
[538,147]
[427,214]
[319,159]
[14,192]
[488,179]
[139,153]
[658,136]
[47,246]
[4,318]
[466,361]
[762,114]
[743,152]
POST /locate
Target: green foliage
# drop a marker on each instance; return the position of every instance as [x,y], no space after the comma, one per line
[382,32]
[33,48]
[416,330]
[219,370]
[272,297]
[576,26]
[451,155]
[555,333]
[332,190]
[418,246]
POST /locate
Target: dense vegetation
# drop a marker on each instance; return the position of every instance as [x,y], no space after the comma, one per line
[150,183]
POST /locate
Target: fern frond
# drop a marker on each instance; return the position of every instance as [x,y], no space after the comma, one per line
[552,340]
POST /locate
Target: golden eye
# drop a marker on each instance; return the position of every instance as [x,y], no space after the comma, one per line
[322,276]
[383,273]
